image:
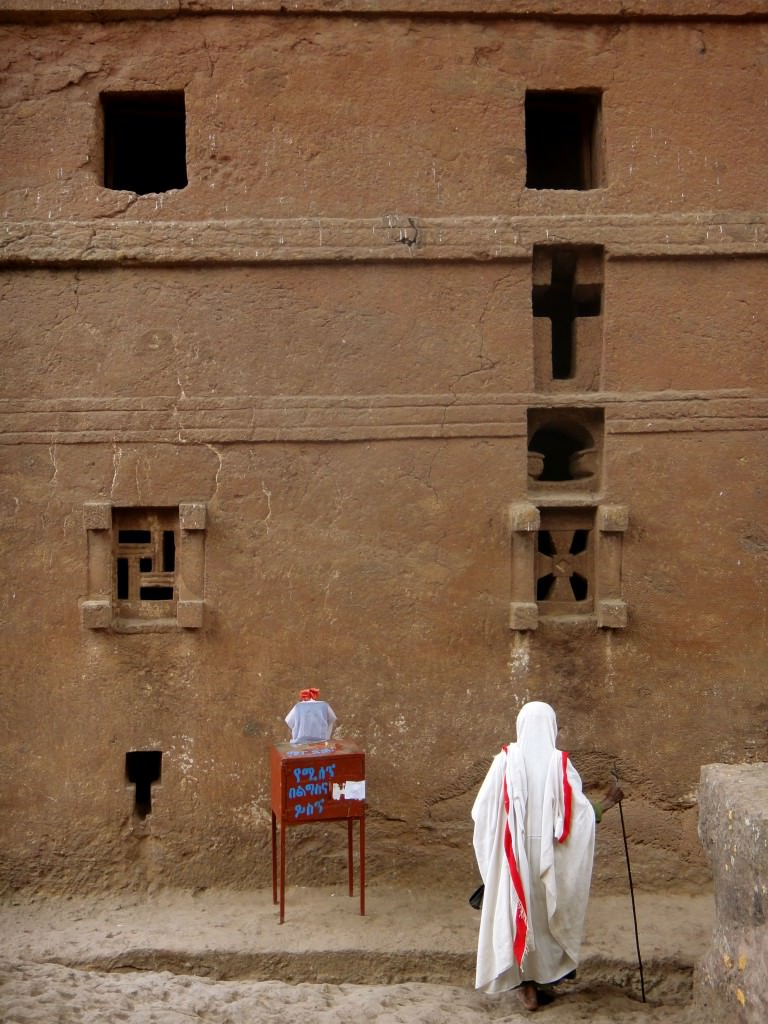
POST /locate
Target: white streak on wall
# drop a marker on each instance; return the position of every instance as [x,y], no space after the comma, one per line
[117,456]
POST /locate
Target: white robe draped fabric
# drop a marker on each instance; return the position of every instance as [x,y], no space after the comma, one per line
[310,721]
[534,836]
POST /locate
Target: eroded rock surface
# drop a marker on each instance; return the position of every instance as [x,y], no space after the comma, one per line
[732,981]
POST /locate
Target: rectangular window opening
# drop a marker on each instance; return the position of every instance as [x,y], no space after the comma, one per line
[562,140]
[135,554]
[144,141]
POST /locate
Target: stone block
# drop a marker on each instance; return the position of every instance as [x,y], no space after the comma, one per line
[613,518]
[96,614]
[192,515]
[189,614]
[523,615]
[523,517]
[97,515]
[732,979]
[612,613]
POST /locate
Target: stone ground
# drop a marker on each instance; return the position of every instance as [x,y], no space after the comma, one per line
[221,957]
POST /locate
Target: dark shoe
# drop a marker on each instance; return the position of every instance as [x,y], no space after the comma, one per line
[545,994]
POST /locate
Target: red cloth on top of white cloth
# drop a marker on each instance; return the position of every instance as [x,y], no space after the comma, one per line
[534,834]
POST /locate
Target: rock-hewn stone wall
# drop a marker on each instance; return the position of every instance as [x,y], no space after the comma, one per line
[732,980]
[327,340]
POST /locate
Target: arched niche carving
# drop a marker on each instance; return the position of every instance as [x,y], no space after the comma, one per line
[565,448]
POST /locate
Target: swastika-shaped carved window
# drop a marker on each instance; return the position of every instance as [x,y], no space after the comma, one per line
[144,548]
[146,567]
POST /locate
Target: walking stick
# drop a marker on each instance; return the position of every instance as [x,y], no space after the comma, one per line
[631,889]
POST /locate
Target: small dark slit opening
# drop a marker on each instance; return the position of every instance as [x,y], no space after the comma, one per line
[122,579]
[156,593]
[142,769]
[134,536]
[169,551]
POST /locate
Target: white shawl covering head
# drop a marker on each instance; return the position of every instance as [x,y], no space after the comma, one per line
[531,801]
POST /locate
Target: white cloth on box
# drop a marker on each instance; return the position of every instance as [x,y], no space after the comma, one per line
[554,872]
[310,721]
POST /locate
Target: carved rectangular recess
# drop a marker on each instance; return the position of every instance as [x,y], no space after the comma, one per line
[563,139]
[567,306]
[565,449]
[144,141]
[145,567]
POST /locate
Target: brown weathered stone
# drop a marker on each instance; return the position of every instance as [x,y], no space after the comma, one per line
[732,980]
[23,9]
[317,360]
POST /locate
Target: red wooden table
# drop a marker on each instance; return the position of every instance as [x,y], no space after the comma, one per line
[317,782]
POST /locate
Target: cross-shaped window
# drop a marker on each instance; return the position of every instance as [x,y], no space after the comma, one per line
[564,562]
[563,299]
[562,566]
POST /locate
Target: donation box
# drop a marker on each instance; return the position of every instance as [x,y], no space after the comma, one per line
[317,782]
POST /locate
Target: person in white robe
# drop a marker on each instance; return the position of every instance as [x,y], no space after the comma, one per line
[534,836]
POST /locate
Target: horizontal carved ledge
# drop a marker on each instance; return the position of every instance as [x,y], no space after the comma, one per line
[354,418]
[391,237]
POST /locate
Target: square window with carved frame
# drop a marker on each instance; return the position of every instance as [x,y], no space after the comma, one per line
[135,560]
[567,562]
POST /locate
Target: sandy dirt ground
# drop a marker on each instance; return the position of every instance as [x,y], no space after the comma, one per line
[221,957]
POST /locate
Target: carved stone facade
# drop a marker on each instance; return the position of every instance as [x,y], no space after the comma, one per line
[731,981]
[413,351]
